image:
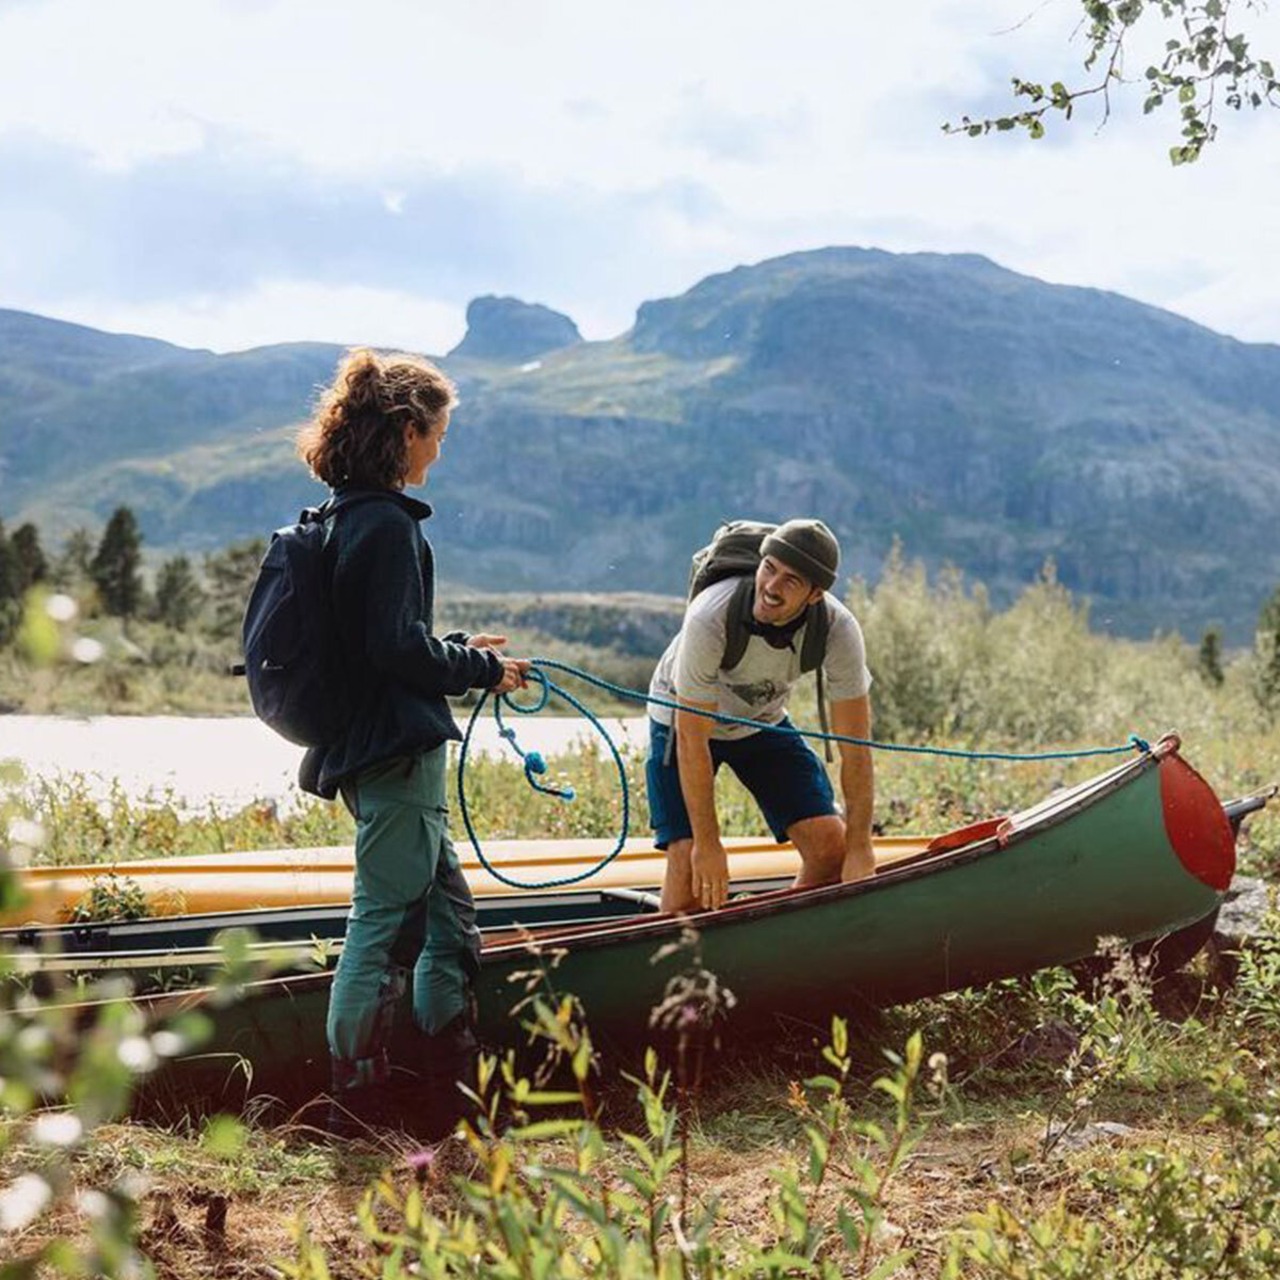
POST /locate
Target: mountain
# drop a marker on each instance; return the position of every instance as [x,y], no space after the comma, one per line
[984,418]
[507,329]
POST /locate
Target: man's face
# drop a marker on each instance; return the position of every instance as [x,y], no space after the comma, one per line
[781,593]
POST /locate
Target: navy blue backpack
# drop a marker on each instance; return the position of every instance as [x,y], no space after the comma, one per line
[292,657]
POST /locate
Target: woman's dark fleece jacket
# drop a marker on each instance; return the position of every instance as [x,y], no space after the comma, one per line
[398,672]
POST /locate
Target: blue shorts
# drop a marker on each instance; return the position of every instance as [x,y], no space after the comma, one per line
[784,776]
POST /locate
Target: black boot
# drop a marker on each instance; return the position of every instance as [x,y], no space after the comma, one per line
[447,1062]
[362,1099]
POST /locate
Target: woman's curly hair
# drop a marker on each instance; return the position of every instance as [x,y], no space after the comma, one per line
[356,436]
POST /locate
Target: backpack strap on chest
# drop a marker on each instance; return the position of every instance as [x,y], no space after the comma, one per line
[813,648]
[737,620]
[813,652]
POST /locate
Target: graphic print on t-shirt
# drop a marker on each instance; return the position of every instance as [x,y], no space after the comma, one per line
[758,692]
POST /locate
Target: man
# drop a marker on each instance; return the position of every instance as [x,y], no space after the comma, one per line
[797,568]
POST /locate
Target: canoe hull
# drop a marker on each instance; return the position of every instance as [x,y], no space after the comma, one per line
[1112,858]
[997,910]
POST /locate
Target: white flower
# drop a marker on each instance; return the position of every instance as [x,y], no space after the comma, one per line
[22,1201]
[92,1203]
[87,650]
[61,608]
[136,1053]
[57,1129]
[167,1044]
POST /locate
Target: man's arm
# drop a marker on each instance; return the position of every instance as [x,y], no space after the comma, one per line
[710,863]
[851,718]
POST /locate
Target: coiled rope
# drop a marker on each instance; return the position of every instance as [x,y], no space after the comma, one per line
[535,765]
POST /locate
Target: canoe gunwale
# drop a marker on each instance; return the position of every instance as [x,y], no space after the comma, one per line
[1046,813]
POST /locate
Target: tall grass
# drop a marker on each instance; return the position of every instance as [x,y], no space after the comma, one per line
[948,669]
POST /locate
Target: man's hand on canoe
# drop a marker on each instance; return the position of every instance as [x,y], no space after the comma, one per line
[709,874]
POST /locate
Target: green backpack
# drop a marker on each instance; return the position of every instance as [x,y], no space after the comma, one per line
[734,552]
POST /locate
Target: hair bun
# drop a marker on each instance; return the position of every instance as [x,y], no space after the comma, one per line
[363,378]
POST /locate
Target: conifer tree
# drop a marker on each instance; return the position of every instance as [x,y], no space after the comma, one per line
[1210,659]
[115,565]
[1266,647]
[33,566]
[71,569]
[178,593]
[10,591]
[10,577]
[230,574]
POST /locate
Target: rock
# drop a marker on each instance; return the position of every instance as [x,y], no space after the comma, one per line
[1063,1137]
[1243,913]
[1052,1043]
[1241,921]
[509,330]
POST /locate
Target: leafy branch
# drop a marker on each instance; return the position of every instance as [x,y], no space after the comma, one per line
[1207,63]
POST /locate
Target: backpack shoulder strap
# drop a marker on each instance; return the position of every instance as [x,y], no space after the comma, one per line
[736,619]
[813,653]
[817,627]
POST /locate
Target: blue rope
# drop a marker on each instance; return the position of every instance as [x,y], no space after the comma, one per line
[635,695]
[535,765]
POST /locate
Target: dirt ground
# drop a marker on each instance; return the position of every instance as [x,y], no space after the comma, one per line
[191,1232]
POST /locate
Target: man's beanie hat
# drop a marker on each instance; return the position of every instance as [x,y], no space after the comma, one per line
[808,547]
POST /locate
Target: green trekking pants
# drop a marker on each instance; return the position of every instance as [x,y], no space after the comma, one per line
[411,910]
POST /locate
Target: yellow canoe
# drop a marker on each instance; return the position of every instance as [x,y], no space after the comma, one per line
[298,877]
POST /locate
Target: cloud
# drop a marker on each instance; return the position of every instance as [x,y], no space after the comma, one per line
[287,310]
[223,222]
[224,154]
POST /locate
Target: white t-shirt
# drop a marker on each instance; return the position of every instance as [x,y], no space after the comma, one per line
[758,687]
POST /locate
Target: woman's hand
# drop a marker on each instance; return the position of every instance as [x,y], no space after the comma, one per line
[515,675]
[483,641]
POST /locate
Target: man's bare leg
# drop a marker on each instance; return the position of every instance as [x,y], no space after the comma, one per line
[821,845]
[677,884]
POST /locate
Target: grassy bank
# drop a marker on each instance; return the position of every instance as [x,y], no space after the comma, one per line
[1140,1139]
[914,794]
[1031,1130]
[1041,1131]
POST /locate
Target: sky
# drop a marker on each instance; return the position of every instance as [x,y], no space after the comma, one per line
[231,173]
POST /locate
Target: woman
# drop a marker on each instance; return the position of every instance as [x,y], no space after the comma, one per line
[379,429]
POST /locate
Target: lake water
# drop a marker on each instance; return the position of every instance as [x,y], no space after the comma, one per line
[225,762]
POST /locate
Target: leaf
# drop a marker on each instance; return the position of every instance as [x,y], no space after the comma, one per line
[639,1182]
[887,1266]
[840,1036]
[541,1129]
[894,1088]
[850,1231]
[551,1098]
[819,1150]
[499,1170]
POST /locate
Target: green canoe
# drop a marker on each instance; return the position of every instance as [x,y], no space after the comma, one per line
[1139,852]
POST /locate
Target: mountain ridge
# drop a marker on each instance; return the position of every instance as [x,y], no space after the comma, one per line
[982,417]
